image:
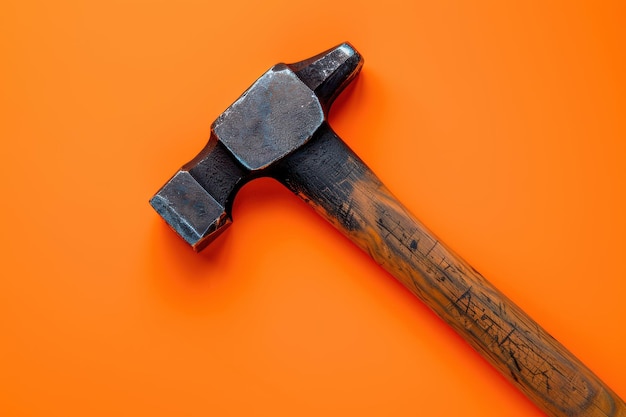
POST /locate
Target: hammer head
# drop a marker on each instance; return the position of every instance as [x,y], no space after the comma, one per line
[278,114]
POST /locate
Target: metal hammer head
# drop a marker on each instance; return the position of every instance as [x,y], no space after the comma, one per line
[278,114]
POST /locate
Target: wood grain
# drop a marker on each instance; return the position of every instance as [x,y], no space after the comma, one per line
[338,185]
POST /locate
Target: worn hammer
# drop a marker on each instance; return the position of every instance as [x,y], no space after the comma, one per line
[278,128]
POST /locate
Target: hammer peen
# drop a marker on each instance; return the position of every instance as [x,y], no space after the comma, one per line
[278,128]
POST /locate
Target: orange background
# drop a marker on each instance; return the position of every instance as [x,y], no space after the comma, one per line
[501,126]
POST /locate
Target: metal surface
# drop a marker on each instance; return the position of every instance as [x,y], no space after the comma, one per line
[278,114]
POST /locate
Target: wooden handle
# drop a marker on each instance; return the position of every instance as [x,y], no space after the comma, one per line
[331,178]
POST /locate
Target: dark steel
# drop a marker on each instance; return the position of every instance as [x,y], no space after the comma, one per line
[283,110]
[277,115]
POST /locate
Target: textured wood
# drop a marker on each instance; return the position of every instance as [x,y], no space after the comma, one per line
[338,185]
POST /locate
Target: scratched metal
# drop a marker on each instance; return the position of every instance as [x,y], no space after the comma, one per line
[278,114]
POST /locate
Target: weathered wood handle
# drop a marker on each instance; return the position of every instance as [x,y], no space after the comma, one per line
[332,179]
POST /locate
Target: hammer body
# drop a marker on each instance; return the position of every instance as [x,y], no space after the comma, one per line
[338,185]
[278,128]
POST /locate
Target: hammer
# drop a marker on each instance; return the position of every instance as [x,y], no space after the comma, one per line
[278,128]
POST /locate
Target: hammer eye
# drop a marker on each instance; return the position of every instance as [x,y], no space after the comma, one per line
[277,115]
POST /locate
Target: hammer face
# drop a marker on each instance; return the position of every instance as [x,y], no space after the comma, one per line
[190,210]
[274,117]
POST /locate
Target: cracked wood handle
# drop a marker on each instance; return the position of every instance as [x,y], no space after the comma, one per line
[330,177]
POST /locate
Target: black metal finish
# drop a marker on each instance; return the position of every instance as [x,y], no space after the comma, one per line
[282,111]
